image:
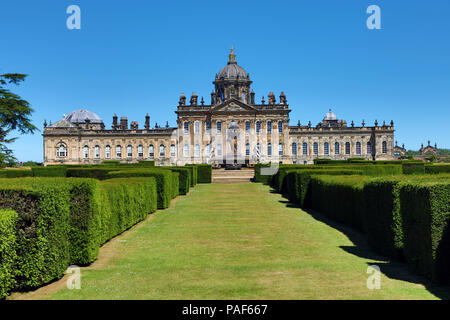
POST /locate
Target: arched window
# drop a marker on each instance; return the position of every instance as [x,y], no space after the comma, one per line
[86,152]
[305,149]
[258,127]
[269,126]
[384,146]
[61,151]
[336,148]
[347,148]
[247,127]
[162,151]
[186,127]
[269,149]
[97,152]
[151,151]
[108,152]
[358,147]
[219,126]
[118,151]
[197,151]
[316,148]
[129,151]
[172,151]
[186,151]
[326,148]
[369,148]
[219,150]
[280,126]
[140,151]
[280,149]
[247,149]
[294,149]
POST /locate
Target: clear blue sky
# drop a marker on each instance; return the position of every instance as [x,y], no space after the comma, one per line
[134,57]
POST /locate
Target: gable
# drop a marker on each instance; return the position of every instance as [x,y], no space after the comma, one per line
[233,105]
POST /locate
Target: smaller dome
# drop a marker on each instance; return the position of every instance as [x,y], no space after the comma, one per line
[232,70]
[330,116]
[80,116]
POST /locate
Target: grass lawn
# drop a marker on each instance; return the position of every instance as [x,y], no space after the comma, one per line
[238,241]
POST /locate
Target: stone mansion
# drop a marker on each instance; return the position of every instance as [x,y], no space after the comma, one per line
[232,128]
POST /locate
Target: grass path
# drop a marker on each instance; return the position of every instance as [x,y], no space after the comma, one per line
[238,241]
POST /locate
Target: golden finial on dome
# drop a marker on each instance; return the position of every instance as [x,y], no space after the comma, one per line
[232,56]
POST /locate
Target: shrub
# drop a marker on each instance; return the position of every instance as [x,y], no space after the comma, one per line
[184,177]
[163,182]
[383,222]
[146,163]
[100,173]
[204,173]
[8,256]
[110,162]
[43,212]
[49,171]
[413,168]
[261,178]
[339,197]
[9,173]
[425,209]
[436,169]
[194,174]
[175,184]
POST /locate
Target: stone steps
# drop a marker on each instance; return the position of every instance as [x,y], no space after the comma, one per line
[232,176]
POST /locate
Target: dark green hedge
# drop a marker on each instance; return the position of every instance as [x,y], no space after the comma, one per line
[414,168]
[163,182]
[8,255]
[100,173]
[110,162]
[43,212]
[49,171]
[204,173]
[383,223]
[64,221]
[425,209]
[261,178]
[185,178]
[436,169]
[193,173]
[339,197]
[146,163]
[175,184]
[10,173]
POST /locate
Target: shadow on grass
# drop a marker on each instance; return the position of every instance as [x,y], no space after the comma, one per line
[390,268]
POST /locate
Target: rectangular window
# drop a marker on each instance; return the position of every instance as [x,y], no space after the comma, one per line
[219,127]
[280,127]
[186,127]
[208,126]
[258,127]
[269,126]
[247,127]
[197,127]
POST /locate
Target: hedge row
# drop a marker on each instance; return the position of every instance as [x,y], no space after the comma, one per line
[184,178]
[8,219]
[194,174]
[402,216]
[9,173]
[164,182]
[363,161]
[436,169]
[61,222]
[204,173]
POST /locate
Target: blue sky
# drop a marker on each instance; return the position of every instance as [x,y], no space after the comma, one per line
[134,57]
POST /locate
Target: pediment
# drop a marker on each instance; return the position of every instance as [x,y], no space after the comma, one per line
[233,105]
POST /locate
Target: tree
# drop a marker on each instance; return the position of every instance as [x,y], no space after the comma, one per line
[14,115]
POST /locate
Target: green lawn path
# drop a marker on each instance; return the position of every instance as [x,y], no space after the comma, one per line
[241,241]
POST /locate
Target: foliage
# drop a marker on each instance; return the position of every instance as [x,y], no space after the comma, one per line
[8,254]
[10,173]
[414,168]
[184,178]
[15,115]
[204,173]
[49,171]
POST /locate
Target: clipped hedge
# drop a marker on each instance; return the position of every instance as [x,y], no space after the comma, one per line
[175,184]
[204,173]
[49,171]
[184,179]
[163,182]
[436,169]
[64,221]
[339,197]
[9,173]
[193,173]
[8,255]
[100,173]
[425,208]
[413,168]
[261,178]
[383,221]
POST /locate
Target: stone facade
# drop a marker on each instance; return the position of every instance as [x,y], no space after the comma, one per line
[232,128]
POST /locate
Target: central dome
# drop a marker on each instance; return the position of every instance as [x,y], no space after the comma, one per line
[232,70]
